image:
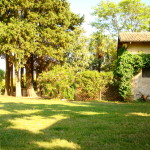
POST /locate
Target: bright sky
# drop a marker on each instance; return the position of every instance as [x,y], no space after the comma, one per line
[82,7]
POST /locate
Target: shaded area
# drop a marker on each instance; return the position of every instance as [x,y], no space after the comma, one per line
[56,125]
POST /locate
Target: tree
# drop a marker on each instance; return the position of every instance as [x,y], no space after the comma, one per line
[40,28]
[127,15]
[103,47]
[77,54]
[20,43]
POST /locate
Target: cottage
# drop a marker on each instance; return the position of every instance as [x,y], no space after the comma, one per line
[137,42]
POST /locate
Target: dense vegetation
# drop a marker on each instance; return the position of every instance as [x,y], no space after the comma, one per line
[41,39]
[63,83]
[35,35]
[129,65]
[111,19]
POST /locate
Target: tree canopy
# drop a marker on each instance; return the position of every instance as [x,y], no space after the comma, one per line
[33,30]
[126,15]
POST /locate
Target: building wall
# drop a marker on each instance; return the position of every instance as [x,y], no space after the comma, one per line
[140,85]
[139,47]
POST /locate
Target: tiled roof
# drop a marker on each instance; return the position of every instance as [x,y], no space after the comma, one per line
[134,37]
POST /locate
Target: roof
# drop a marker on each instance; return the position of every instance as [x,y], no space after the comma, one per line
[134,37]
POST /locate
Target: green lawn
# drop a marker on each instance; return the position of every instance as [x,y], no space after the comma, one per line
[57,125]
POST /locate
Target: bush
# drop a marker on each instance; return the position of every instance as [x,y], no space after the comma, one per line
[2,83]
[2,75]
[93,82]
[58,83]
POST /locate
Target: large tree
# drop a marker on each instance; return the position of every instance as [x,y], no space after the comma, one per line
[42,28]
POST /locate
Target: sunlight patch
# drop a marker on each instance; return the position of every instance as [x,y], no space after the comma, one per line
[35,124]
[91,113]
[4,112]
[138,114]
[28,111]
[58,143]
[1,105]
[60,110]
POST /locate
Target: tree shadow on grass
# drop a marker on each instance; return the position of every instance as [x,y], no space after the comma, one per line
[69,126]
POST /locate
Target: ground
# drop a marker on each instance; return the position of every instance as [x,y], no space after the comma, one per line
[35,124]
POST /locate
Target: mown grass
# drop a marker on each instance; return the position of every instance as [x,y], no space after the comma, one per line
[29,124]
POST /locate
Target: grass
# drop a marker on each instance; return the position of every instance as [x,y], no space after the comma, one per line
[29,124]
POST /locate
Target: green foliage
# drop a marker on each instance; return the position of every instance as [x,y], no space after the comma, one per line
[129,65]
[77,54]
[96,64]
[113,18]
[103,47]
[126,15]
[92,82]
[58,83]
[2,76]
[69,93]
[42,28]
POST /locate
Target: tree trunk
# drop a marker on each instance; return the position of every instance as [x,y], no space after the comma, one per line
[32,68]
[22,77]
[7,76]
[99,66]
[39,88]
[11,81]
[29,78]
[18,83]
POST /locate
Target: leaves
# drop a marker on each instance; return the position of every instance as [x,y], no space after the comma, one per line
[57,81]
[103,47]
[129,65]
[91,82]
[127,15]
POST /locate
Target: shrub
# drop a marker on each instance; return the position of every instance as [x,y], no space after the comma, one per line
[58,83]
[93,82]
[2,84]
[2,75]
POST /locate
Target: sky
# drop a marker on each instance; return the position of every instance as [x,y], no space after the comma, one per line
[82,7]
[85,7]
